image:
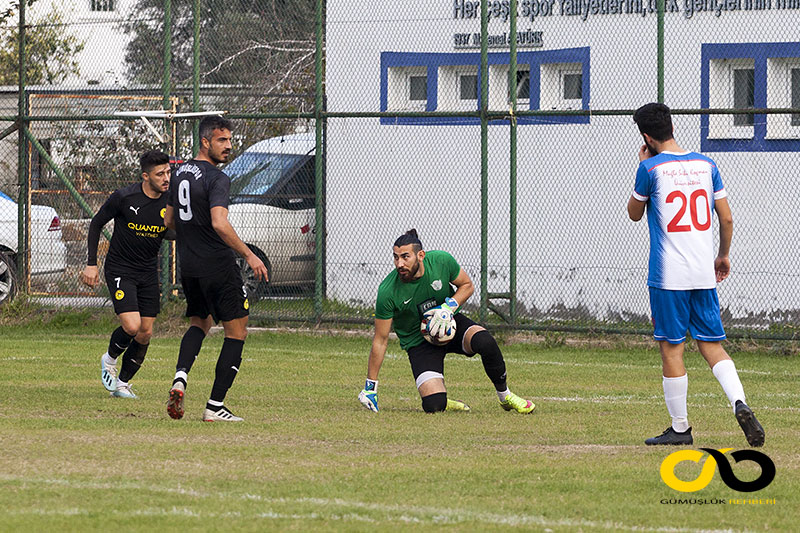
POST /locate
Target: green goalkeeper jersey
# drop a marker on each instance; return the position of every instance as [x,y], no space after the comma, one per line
[406,302]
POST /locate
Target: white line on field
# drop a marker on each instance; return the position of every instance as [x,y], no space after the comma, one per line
[402,513]
[640,367]
[628,399]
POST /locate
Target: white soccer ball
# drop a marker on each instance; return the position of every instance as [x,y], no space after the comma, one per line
[442,337]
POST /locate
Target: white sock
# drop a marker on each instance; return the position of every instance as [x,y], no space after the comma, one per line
[180,374]
[725,372]
[108,359]
[215,403]
[121,383]
[502,394]
[675,391]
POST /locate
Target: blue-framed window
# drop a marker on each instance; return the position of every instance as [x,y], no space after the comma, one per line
[750,75]
[548,80]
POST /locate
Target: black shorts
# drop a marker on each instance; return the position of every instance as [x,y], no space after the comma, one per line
[221,295]
[134,293]
[427,360]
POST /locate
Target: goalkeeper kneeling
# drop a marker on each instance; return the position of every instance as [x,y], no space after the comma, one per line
[421,298]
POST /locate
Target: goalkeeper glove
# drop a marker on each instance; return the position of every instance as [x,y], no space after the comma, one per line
[369,395]
[442,316]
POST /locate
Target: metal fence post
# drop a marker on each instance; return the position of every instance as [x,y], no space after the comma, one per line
[660,49]
[512,247]
[22,170]
[195,76]
[319,190]
[484,161]
[166,283]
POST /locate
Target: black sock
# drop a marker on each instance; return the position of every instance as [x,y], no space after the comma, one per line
[119,342]
[190,346]
[132,360]
[215,406]
[493,363]
[230,357]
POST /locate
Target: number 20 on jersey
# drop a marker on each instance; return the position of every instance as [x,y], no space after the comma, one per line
[674,225]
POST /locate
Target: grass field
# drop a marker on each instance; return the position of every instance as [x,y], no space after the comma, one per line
[309,457]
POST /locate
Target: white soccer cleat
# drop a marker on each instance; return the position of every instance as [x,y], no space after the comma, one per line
[123,390]
[108,372]
[222,415]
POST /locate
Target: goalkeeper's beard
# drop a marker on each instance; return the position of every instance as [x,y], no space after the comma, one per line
[410,274]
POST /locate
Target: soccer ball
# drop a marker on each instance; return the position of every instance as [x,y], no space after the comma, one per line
[443,337]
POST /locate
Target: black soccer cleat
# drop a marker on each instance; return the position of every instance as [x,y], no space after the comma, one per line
[671,437]
[747,420]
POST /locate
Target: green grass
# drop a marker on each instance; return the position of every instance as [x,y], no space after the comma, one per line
[309,457]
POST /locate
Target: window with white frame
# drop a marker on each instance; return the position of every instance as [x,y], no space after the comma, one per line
[794,90]
[743,88]
[407,89]
[103,5]
[561,86]
[732,86]
[783,90]
[500,86]
[523,85]
[458,88]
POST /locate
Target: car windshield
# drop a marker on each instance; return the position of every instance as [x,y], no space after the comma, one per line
[254,173]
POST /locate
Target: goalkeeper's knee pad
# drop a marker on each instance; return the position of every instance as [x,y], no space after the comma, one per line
[434,403]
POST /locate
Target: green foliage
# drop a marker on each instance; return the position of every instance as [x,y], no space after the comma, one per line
[22,309]
[49,49]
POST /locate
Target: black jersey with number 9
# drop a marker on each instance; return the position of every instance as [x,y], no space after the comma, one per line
[197,187]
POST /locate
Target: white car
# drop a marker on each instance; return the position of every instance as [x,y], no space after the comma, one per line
[272,210]
[48,251]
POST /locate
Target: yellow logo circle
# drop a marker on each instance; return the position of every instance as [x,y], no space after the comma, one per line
[700,482]
[246,303]
[119,295]
[163,211]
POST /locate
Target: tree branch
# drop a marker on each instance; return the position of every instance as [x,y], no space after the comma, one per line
[259,46]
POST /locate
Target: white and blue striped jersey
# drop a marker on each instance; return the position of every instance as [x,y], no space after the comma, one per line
[680,190]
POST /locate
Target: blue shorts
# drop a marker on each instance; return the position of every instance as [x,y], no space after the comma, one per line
[676,311]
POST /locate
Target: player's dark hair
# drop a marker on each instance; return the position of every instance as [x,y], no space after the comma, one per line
[409,237]
[151,159]
[655,120]
[213,122]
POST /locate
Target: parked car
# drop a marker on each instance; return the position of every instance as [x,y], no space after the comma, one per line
[48,251]
[272,209]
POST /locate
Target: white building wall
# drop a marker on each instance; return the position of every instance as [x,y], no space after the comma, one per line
[576,246]
[102,60]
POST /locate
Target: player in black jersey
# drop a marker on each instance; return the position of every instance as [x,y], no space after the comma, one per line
[131,267]
[197,209]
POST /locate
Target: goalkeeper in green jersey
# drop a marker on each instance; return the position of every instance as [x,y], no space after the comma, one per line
[422,282]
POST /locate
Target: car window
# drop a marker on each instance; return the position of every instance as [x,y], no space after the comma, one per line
[254,173]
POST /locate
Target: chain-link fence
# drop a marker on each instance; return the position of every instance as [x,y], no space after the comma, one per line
[355,121]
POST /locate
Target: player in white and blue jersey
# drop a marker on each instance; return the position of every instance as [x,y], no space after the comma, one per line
[680,190]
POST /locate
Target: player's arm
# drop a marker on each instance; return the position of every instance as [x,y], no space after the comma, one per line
[635,209]
[464,288]
[219,221]
[641,189]
[722,264]
[380,340]
[442,314]
[91,274]
[169,218]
